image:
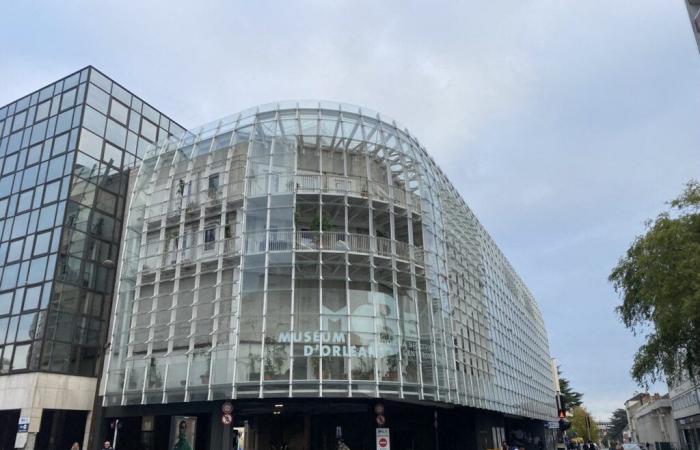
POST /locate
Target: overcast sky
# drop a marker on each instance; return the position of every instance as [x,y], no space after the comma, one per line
[564,124]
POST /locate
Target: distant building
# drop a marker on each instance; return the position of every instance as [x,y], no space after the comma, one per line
[685,400]
[654,423]
[631,407]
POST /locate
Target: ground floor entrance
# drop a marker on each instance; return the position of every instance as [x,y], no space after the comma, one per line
[689,431]
[300,424]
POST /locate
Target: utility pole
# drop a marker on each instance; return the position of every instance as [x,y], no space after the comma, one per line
[588,427]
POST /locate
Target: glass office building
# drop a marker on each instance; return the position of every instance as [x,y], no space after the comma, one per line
[65,153]
[306,259]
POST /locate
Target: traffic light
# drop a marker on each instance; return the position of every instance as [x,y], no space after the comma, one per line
[564,424]
[561,406]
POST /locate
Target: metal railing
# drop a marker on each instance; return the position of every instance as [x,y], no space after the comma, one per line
[155,258]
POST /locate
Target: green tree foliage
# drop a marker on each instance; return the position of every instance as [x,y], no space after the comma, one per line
[571,397]
[583,424]
[618,422]
[659,282]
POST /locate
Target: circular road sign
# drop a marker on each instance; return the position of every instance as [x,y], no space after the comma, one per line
[381,420]
[226,419]
[379,408]
[383,442]
[227,408]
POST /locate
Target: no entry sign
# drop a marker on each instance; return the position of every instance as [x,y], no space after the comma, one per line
[226,419]
[383,439]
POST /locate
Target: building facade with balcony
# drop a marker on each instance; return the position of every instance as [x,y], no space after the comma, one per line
[309,262]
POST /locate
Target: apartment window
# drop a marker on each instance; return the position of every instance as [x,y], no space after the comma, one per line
[210,237]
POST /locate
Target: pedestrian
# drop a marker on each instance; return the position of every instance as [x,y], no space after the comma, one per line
[648,445]
[75,446]
[504,445]
[586,446]
[107,446]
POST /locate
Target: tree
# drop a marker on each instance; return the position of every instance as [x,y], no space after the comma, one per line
[571,398]
[659,282]
[583,424]
[618,422]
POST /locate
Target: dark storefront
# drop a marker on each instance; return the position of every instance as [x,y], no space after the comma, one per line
[305,424]
[689,430]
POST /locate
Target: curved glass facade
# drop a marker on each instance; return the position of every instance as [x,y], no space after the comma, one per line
[313,249]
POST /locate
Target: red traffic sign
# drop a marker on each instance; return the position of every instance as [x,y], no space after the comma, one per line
[227,408]
[381,420]
[226,419]
[383,443]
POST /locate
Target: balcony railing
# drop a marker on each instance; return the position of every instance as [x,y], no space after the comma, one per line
[154,258]
[274,241]
[354,243]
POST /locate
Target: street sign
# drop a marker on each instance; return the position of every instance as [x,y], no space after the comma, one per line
[551,425]
[226,419]
[383,439]
[23,425]
[381,420]
[227,408]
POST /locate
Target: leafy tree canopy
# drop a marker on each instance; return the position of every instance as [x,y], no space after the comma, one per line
[571,397]
[659,282]
[583,424]
[618,422]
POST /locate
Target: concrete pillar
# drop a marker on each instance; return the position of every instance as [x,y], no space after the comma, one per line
[34,415]
[86,436]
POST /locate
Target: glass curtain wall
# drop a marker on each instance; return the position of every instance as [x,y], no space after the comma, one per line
[302,250]
[64,152]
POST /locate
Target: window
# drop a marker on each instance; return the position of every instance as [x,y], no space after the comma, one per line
[42,110]
[25,200]
[31,298]
[113,155]
[52,191]
[46,217]
[38,132]
[9,276]
[19,121]
[64,121]
[119,111]
[116,133]
[214,181]
[94,121]
[20,361]
[19,228]
[37,270]
[148,130]
[60,144]
[209,237]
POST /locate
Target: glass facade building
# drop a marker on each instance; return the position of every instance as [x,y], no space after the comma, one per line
[315,250]
[65,154]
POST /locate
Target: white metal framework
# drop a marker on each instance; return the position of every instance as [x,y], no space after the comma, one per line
[315,249]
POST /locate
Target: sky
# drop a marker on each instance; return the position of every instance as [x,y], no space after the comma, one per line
[563,124]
